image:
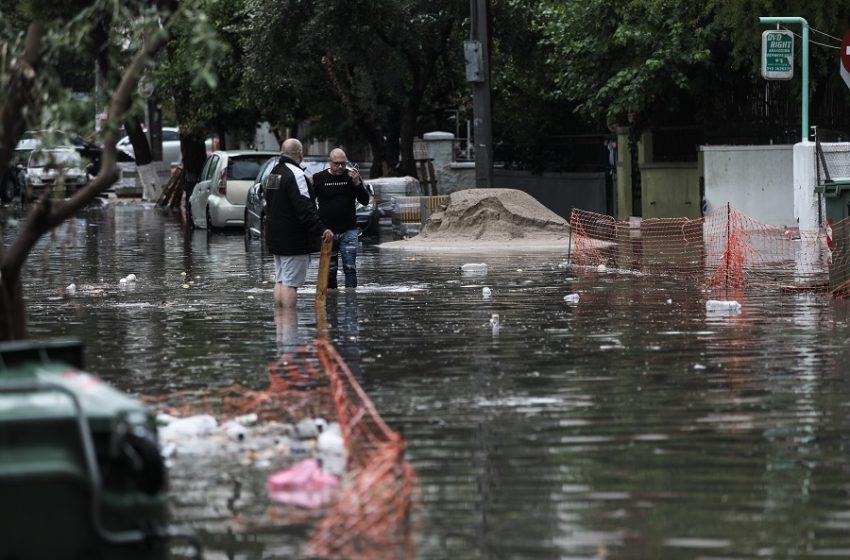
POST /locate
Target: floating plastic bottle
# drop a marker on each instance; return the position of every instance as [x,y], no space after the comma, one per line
[722,305]
[571,298]
[474,268]
[486,292]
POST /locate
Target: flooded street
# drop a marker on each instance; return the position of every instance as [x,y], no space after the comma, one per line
[629,425]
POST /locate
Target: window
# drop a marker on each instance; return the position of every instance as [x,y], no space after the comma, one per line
[209,167]
[245,168]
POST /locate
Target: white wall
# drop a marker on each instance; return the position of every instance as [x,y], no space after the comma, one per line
[758,181]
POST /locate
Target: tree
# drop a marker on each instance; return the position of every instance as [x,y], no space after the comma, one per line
[683,62]
[31,94]
[370,67]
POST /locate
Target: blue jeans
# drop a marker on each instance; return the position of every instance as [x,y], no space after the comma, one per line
[345,244]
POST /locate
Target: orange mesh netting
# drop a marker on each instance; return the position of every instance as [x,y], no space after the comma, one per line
[370,518]
[370,515]
[722,250]
[298,388]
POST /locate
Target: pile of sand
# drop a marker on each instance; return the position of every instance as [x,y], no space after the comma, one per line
[490,219]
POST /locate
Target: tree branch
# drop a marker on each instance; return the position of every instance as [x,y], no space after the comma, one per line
[20,93]
[45,215]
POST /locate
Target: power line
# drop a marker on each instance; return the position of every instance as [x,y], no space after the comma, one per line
[822,33]
[837,47]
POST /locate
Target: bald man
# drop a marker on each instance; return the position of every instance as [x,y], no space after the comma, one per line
[292,223]
[336,188]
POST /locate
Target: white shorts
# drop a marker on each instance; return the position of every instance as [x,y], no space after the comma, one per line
[291,270]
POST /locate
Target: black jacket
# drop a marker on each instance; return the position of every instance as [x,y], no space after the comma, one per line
[336,195]
[292,222]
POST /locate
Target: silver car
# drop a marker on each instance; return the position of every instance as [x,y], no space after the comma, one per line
[218,199]
[55,168]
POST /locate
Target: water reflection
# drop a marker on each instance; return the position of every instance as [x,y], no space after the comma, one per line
[631,425]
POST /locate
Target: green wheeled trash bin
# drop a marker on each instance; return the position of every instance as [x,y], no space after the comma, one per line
[836,195]
[81,476]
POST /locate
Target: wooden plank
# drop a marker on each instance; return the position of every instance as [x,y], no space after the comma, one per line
[322,274]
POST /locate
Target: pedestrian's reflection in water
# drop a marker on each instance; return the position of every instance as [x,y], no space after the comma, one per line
[344,322]
[286,321]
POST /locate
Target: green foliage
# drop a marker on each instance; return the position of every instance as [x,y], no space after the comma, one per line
[201,78]
[353,67]
[613,58]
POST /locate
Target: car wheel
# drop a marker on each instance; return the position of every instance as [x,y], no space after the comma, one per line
[8,191]
[189,217]
[248,235]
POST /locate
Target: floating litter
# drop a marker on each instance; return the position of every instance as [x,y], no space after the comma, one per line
[474,268]
[729,306]
[71,289]
[131,277]
[571,298]
[486,292]
[601,268]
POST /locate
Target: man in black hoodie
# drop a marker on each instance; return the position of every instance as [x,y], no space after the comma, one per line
[336,188]
[292,223]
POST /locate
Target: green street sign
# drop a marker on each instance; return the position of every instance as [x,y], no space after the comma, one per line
[777,55]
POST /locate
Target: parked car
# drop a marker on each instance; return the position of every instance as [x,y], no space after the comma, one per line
[171,153]
[14,181]
[55,168]
[255,203]
[218,199]
[255,206]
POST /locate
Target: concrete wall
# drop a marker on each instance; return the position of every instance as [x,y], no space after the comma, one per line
[758,181]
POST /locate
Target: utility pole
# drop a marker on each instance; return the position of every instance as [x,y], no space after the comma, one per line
[477,56]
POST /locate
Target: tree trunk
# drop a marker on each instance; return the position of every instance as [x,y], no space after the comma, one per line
[141,146]
[407,165]
[194,155]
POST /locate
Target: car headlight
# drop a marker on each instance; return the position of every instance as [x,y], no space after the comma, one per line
[35,179]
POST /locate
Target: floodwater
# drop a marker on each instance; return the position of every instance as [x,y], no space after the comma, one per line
[629,425]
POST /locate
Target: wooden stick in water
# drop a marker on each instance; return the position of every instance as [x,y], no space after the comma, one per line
[322,275]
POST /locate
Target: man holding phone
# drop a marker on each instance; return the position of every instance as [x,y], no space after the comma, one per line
[336,189]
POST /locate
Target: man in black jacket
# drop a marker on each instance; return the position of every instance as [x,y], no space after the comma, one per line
[292,223]
[336,190]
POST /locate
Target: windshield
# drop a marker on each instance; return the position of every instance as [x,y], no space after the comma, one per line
[63,158]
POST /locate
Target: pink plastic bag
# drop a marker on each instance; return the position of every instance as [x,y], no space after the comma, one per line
[304,484]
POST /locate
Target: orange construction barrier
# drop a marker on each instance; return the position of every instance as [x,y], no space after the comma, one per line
[722,250]
[370,516]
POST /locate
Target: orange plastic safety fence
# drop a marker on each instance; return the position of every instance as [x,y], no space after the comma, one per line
[722,250]
[371,516]
[298,388]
